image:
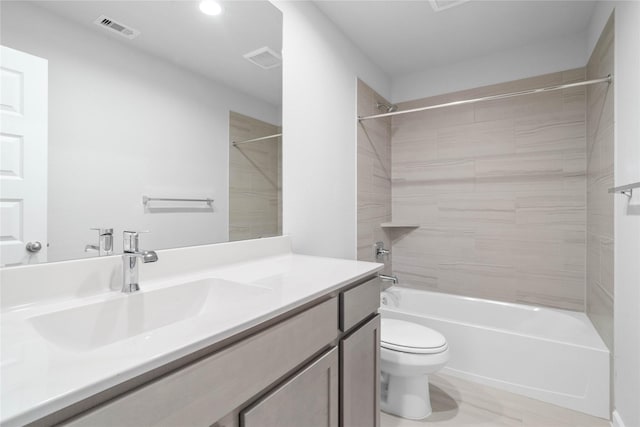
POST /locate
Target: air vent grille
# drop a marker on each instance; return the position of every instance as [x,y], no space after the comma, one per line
[118,27]
[264,57]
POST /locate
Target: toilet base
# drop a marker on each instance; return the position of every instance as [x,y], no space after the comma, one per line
[406,397]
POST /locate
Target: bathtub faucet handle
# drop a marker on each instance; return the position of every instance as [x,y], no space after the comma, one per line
[380,251]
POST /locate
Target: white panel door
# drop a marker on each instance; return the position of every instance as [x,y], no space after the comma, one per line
[23,157]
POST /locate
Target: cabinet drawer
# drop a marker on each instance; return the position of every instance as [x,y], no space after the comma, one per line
[358,303]
[309,399]
[207,390]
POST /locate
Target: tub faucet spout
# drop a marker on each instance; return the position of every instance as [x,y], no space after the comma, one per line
[387,278]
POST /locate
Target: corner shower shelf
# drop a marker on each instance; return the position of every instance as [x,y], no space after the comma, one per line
[398,225]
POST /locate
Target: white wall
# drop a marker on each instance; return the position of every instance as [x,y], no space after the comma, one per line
[165,134]
[627,225]
[321,67]
[627,217]
[545,57]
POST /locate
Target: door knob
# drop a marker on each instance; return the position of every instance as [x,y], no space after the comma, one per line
[34,247]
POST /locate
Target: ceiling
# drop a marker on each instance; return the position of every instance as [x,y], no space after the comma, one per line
[176,31]
[403,37]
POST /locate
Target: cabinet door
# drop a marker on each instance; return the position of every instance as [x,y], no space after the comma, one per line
[309,399]
[360,357]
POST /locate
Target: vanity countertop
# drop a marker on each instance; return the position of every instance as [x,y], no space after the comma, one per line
[39,376]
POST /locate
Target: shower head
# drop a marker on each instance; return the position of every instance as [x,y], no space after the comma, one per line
[387,108]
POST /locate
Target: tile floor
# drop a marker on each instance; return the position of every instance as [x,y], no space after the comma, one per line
[460,403]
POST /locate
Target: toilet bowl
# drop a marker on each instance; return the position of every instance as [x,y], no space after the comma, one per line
[409,352]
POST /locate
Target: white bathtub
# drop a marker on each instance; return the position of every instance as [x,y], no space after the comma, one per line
[552,355]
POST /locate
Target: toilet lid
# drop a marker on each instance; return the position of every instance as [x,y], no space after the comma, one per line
[410,337]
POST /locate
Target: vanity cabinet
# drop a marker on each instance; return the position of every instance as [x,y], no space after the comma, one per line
[318,366]
[360,355]
[205,391]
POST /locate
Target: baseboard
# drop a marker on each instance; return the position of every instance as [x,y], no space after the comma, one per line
[617,421]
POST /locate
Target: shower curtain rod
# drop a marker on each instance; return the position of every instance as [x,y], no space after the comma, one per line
[491,98]
[262,138]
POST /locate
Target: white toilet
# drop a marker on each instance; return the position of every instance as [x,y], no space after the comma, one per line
[408,354]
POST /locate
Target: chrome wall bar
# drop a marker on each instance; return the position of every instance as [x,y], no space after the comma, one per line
[262,138]
[147,199]
[491,98]
[627,190]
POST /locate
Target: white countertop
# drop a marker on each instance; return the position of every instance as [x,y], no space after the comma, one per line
[39,377]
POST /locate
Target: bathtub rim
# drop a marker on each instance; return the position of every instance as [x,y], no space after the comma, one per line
[576,315]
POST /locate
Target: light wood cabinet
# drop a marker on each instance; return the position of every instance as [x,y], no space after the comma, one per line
[360,362]
[204,392]
[318,366]
[309,399]
[358,303]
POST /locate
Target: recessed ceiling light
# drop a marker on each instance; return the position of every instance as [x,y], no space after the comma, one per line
[210,7]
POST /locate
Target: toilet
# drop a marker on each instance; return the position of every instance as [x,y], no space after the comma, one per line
[409,352]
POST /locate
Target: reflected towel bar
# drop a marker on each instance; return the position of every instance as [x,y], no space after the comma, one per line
[147,199]
[627,190]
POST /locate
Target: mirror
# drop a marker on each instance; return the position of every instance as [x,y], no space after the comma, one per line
[124,115]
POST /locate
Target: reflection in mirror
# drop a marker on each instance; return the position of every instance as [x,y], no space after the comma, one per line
[255,178]
[96,117]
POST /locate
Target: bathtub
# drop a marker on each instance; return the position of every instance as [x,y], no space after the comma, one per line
[548,354]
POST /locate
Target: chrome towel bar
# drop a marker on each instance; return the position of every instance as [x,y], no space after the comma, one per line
[147,199]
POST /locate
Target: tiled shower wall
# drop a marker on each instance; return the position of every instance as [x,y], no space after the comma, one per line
[374,175]
[600,152]
[255,180]
[498,189]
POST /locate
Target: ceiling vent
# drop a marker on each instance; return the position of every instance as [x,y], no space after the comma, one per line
[118,27]
[439,5]
[264,57]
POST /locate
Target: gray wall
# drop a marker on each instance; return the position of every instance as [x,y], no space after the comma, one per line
[498,189]
[374,175]
[600,169]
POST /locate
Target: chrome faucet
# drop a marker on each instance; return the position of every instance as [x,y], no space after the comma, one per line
[380,251]
[105,242]
[387,278]
[131,254]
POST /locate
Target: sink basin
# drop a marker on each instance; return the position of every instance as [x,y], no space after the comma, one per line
[89,326]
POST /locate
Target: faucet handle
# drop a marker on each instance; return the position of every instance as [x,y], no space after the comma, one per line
[130,240]
[103,231]
[380,251]
[105,242]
